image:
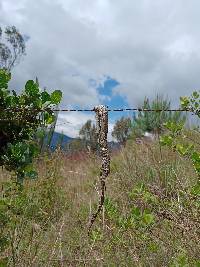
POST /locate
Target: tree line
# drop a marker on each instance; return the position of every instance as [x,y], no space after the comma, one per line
[133,127]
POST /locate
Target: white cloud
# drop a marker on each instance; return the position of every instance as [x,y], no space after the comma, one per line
[148,46]
[71,122]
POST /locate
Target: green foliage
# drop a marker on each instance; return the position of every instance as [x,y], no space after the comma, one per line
[18,157]
[46,130]
[172,139]
[111,208]
[180,261]
[96,235]
[121,130]
[153,121]
[195,190]
[191,103]
[140,191]
[12,49]
[20,120]
[147,221]
[56,97]
[135,218]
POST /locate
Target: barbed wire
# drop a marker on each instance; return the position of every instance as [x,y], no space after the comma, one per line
[89,110]
[13,110]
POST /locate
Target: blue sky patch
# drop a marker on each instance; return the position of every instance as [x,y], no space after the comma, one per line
[112,99]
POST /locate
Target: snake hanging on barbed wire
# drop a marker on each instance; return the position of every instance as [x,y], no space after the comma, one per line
[102,132]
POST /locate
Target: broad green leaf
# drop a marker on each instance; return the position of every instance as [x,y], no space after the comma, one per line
[56,97]
[37,103]
[31,88]
[45,97]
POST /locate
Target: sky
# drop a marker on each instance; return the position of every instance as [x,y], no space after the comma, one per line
[108,52]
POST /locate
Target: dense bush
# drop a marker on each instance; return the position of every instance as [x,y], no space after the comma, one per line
[153,121]
[20,119]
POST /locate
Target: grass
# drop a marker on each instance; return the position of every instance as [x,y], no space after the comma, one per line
[150,218]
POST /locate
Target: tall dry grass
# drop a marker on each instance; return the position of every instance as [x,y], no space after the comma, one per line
[150,218]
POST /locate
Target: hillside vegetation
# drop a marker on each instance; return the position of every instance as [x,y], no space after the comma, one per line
[150,218]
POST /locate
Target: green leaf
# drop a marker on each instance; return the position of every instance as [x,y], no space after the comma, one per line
[96,235]
[166,140]
[196,190]
[196,105]
[110,208]
[56,97]
[195,94]
[45,97]
[174,126]
[184,101]
[153,247]
[197,166]
[135,212]
[148,218]
[184,149]
[49,118]
[195,157]
[31,88]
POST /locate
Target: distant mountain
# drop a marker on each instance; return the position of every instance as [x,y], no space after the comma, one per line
[57,138]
